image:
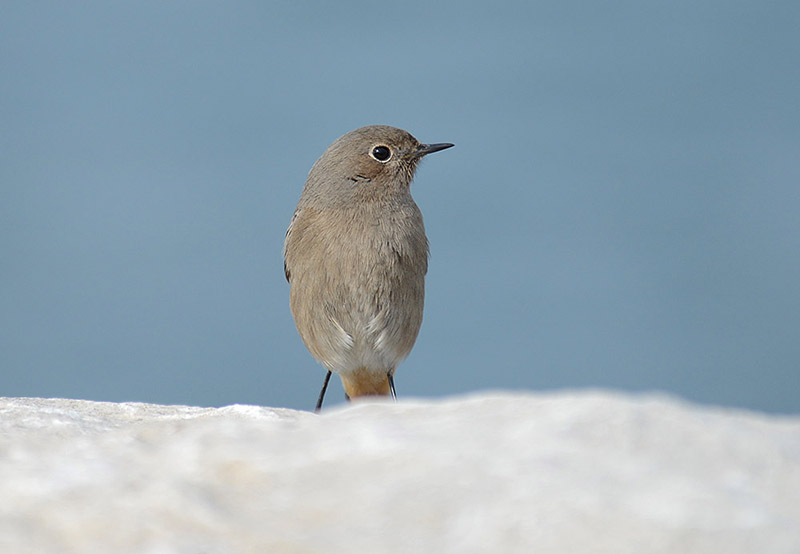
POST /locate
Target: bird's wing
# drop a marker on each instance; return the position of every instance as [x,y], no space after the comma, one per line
[285,244]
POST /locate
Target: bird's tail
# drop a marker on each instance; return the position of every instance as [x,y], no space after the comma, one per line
[366,382]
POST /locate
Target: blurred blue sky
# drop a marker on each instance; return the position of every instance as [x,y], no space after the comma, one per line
[621,208]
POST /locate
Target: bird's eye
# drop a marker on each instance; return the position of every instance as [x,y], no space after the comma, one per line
[381,153]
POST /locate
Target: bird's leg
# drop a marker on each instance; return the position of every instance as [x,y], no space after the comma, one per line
[322,392]
[391,387]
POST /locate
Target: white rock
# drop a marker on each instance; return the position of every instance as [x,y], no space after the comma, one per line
[494,473]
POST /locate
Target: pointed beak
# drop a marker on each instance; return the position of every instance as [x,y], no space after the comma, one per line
[431,148]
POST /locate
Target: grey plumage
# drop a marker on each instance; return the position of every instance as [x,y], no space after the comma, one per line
[356,255]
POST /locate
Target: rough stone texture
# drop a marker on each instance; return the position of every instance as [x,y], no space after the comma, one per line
[571,472]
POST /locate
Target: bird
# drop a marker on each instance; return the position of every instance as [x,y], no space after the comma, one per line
[356,255]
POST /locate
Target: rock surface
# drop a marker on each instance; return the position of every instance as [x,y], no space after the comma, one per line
[571,472]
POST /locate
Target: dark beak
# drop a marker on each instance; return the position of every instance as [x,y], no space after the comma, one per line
[431,148]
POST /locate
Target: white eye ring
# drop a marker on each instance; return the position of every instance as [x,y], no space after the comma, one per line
[381,153]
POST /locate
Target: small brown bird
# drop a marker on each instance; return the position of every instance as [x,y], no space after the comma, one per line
[356,255]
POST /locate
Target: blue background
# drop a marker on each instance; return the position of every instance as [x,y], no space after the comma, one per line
[621,209]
